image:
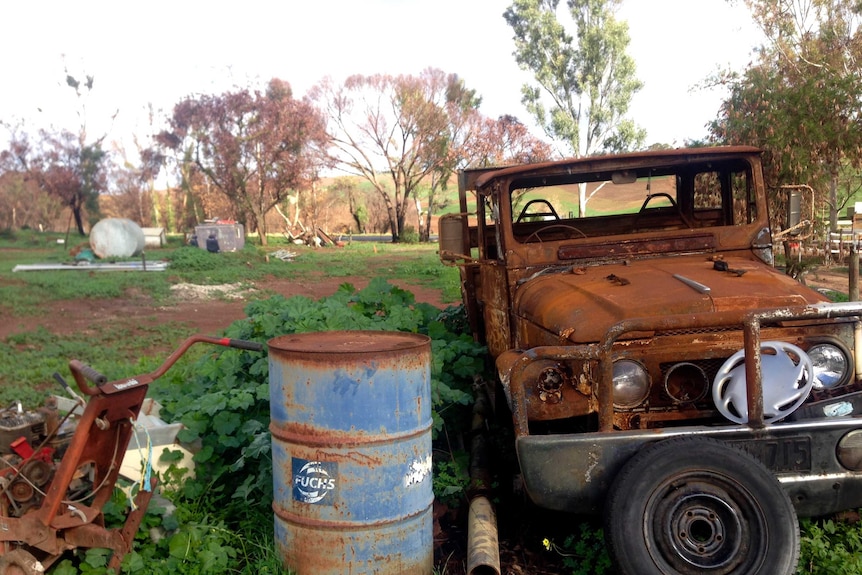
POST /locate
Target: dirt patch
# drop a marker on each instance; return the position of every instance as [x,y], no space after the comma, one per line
[833,279]
[211,309]
[203,309]
[185,291]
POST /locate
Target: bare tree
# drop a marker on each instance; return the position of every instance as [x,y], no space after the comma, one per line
[391,130]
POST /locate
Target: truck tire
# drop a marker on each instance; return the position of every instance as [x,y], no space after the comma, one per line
[695,505]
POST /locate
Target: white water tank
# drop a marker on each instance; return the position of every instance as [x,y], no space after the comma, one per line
[116,238]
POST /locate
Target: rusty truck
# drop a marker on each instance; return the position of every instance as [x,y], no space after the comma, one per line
[656,368]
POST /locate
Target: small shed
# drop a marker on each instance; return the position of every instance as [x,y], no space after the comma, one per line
[154,237]
[231,237]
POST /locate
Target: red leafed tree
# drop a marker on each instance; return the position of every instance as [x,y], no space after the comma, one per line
[478,141]
[64,166]
[70,167]
[505,141]
[255,147]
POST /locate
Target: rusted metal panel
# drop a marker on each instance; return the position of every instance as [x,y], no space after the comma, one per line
[494,297]
[592,460]
[618,161]
[351,428]
[626,248]
[584,303]
[749,321]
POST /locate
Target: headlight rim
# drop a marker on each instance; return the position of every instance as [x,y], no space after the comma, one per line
[646,389]
[848,361]
[705,382]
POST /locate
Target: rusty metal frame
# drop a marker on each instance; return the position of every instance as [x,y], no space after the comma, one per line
[602,352]
[102,436]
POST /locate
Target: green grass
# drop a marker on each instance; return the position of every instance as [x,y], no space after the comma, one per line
[25,293]
[28,360]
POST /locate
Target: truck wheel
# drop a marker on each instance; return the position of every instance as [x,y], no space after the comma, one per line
[694,505]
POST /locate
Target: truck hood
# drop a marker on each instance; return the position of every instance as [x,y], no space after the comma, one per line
[583,303]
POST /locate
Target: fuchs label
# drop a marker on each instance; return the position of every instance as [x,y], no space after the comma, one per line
[314,481]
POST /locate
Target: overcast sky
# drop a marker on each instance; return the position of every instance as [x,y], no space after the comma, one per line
[159,51]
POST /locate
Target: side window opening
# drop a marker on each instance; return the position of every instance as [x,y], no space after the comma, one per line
[723,198]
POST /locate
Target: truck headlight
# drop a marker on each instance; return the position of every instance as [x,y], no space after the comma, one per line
[631,383]
[830,365]
[850,450]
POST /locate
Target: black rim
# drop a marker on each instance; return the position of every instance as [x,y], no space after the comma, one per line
[704,521]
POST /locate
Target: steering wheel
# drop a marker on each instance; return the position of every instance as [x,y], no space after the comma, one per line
[552,226]
[551,211]
[787,378]
[673,203]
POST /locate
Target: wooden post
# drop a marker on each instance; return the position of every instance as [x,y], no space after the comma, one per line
[853,294]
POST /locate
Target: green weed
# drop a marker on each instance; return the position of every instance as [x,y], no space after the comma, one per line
[830,547]
[451,480]
[583,552]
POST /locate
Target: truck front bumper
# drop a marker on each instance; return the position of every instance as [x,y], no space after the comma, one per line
[573,472]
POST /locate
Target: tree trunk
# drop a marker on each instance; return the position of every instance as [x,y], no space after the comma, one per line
[156,212]
[420,223]
[401,212]
[79,220]
[426,232]
[400,221]
[582,200]
[358,221]
[261,230]
[394,226]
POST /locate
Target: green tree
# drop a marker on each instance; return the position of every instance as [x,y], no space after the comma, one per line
[584,82]
[800,100]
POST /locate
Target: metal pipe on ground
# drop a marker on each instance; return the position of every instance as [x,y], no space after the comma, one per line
[483,545]
[483,549]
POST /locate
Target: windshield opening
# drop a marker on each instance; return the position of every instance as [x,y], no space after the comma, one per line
[627,202]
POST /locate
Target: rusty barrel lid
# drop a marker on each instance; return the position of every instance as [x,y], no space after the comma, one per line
[347,342]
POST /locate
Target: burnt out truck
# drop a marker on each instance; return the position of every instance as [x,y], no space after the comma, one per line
[656,367]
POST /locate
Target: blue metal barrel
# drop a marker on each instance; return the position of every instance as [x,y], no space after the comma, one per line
[351,452]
